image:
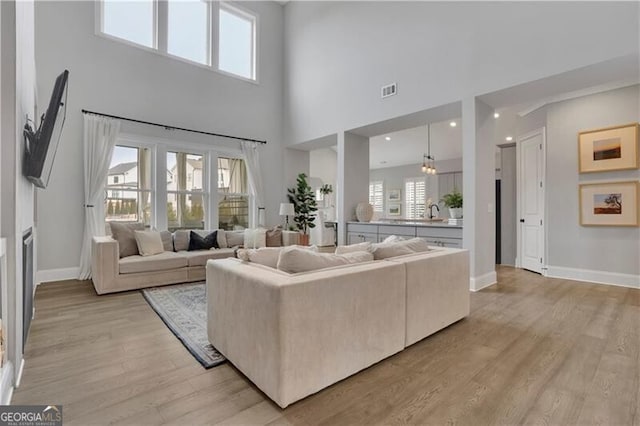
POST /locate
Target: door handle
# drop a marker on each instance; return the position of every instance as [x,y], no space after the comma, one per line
[521,220]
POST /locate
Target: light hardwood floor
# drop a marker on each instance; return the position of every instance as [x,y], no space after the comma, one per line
[533,351]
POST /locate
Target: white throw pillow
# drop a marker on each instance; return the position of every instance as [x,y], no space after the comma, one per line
[222,238]
[400,248]
[393,239]
[255,238]
[267,256]
[294,259]
[149,242]
[418,245]
[366,246]
[387,250]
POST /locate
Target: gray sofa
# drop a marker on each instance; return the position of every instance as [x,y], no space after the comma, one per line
[295,334]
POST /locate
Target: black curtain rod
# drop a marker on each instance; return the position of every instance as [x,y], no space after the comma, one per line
[84,111]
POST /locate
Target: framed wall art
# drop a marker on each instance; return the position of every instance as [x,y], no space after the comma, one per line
[394,195]
[610,148]
[394,210]
[609,204]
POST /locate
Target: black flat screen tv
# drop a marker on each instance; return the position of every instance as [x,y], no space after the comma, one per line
[42,144]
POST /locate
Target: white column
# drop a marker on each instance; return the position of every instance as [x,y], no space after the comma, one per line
[478,164]
[160,207]
[353,179]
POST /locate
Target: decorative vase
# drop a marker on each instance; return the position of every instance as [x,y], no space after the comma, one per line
[364,212]
[455,213]
[304,239]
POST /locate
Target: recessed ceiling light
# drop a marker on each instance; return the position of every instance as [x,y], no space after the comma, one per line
[387,138]
[453,124]
[509,138]
[496,115]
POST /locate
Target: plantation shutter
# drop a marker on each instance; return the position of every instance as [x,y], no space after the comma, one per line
[376,196]
[415,192]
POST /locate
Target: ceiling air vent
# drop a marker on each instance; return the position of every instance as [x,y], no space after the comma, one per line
[389,90]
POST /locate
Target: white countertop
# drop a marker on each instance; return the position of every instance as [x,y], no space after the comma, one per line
[443,224]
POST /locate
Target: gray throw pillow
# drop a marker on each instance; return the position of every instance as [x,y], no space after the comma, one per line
[124,235]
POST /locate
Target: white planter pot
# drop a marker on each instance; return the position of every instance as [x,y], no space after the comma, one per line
[455,213]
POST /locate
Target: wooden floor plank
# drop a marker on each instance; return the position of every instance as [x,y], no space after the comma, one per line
[533,351]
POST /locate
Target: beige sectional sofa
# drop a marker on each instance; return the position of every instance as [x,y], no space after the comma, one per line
[295,334]
[112,273]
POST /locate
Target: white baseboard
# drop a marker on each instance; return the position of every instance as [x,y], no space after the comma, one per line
[19,379]
[6,386]
[61,274]
[483,281]
[599,277]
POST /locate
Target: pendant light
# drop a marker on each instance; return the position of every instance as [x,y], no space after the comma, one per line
[428,161]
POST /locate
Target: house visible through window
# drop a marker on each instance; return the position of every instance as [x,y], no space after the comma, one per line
[128,191]
[376,196]
[187,31]
[186,197]
[415,190]
[233,194]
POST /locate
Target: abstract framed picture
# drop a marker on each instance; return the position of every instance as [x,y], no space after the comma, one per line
[394,195]
[394,210]
[611,148]
[609,204]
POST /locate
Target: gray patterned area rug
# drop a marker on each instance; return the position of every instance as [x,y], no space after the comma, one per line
[183,308]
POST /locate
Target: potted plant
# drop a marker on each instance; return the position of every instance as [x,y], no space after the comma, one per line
[304,206]
[453,201]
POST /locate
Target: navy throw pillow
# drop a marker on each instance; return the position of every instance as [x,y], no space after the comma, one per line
[196,242]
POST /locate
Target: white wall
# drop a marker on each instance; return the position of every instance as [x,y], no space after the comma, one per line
[112,77]
[339,54]
[323,164]
[18,101]
[605,249]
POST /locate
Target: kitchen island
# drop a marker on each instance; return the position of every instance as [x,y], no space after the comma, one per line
[436,233]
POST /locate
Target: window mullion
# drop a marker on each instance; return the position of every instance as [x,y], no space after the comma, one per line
[214,34]
[162,25]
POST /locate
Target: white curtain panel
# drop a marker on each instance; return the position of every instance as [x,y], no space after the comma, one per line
[100,134]
[252,158]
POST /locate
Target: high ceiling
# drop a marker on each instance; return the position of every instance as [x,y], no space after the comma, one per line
[408,146]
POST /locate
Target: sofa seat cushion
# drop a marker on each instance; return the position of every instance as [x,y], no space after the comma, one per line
[158,262]
[200,257]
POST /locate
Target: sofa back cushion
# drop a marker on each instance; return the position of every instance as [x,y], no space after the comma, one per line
[149,242]
[181,240]
[123,234]
[400,248]
[234,238]
[366,246]
[255,238]
[293,259]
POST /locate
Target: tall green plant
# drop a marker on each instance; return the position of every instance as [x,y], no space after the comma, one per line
[304,204]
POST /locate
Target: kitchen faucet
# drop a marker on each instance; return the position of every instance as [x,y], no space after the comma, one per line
[430,208]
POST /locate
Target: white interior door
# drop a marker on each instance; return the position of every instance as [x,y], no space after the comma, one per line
[531,200]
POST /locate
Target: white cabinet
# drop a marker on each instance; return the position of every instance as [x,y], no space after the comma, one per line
[359,233]
[439,236]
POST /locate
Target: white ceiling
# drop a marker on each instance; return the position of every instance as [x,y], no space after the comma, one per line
[408,146]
